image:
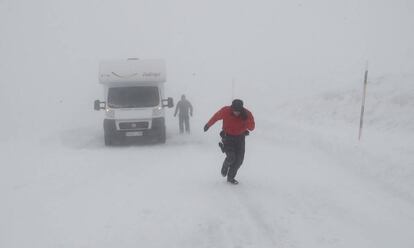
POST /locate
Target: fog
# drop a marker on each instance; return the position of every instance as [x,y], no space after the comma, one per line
[298,66]
[50,51]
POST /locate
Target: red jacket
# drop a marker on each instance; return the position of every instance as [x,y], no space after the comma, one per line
[233,125]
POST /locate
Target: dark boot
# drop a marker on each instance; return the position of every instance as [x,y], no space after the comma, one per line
[232,181]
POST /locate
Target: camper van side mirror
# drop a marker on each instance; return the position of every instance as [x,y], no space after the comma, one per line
[97,105]
[170,102]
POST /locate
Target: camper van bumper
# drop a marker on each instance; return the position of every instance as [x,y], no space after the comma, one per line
[113,133]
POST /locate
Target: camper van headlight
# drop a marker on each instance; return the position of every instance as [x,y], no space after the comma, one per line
[157,111]
[110,113]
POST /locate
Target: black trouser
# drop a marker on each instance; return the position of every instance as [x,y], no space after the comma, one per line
[234,147]
[184,120]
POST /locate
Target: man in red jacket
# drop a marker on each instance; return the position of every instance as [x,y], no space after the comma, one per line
[237,122]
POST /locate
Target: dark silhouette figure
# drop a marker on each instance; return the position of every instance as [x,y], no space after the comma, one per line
[184,110]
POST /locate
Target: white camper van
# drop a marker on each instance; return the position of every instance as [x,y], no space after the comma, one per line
[134,100]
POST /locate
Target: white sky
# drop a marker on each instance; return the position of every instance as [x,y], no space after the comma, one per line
[50,49]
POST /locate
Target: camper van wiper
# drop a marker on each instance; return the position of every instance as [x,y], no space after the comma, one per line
[122,106]
[111,105]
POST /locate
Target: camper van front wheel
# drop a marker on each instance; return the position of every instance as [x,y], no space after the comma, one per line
[163,136]
[109,131]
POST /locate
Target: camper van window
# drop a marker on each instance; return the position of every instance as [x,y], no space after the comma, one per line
[133,97]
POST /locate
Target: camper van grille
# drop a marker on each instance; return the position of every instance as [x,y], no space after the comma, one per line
[133,125]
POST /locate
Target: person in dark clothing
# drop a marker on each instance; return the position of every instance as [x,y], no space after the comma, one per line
[237,122]
[185,110]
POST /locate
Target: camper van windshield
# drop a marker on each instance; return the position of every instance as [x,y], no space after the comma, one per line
[133,97]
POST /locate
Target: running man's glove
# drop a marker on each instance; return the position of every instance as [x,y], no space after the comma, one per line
[246,133]
[206,127]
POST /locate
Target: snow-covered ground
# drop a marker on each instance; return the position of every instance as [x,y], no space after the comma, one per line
[303,184]
[306,181]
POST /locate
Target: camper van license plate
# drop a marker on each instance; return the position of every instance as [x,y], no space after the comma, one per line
[132,134]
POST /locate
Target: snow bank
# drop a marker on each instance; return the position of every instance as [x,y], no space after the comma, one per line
[333,117]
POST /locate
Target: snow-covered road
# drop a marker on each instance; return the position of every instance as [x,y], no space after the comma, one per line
[71,191]
[297,65]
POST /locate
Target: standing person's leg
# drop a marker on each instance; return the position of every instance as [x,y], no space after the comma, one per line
[180,123]
[187,124]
